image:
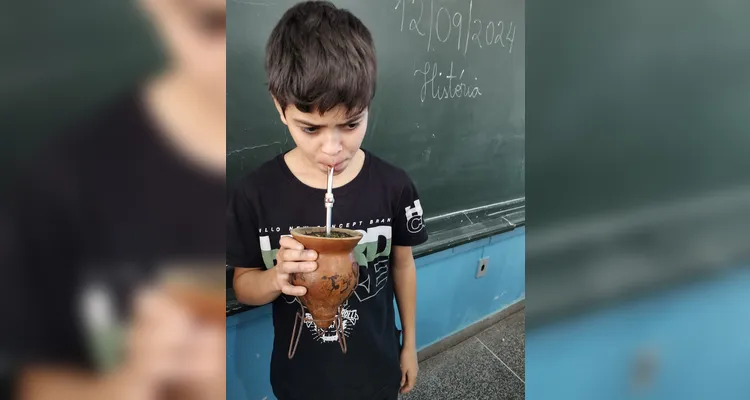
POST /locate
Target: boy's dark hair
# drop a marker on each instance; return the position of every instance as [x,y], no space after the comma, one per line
[319,57]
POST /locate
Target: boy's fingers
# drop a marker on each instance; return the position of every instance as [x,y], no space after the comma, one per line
[410,381]
[298,255]
[293,267]
[292,290]
[290,243]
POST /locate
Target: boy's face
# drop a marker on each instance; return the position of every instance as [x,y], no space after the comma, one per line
[331,139]
[193,33]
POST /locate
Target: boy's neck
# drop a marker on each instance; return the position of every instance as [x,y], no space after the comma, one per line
[314,177]
[194,129]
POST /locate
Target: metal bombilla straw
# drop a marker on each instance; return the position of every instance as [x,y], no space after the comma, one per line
[329,201]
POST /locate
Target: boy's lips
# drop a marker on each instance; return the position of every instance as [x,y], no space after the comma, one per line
[336,167]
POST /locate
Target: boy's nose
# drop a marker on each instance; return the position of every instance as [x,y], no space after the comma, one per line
[332,144]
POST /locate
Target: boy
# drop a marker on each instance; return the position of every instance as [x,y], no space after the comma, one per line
[321,67]
[135,188]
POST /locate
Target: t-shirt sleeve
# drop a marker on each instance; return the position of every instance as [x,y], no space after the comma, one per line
[243,246]
[408,226]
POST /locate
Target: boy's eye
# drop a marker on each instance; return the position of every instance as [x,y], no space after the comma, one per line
[309,129]
[352,126]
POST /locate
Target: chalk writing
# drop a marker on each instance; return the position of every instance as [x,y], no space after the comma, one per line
[437,24]
[444,24]
[414,23]
[442,87]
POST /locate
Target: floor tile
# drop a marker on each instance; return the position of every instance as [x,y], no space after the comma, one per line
[507,339]
[467,371]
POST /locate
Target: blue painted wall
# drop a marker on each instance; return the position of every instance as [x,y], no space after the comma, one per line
[449,298]
[700,334]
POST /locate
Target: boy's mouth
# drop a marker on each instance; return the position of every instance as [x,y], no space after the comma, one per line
[337,168]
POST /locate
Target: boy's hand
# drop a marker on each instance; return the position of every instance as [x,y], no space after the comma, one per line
[167,346]
[409,369]
[292,257]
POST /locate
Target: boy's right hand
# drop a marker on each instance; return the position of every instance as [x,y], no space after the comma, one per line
[292,257]
[167,346]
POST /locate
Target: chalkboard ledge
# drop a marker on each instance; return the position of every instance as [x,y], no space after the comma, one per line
[446,231]
[457,228]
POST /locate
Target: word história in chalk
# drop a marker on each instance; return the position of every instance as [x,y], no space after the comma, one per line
[445,25]
[442,87]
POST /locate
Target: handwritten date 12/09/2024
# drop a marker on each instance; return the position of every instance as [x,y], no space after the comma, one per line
[443,25]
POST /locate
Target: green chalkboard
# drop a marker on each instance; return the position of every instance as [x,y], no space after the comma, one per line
[60,61]
[639,174]
[449,107]
[631,103]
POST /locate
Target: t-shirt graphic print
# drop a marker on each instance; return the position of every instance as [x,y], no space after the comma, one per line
[382,204]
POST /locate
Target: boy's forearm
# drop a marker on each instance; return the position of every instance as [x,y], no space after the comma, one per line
[255,287]
[405,287]
[57,383]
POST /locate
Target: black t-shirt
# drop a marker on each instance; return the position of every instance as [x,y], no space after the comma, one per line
[382,203]
[93,217]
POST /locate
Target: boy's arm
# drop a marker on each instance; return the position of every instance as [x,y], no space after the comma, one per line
[408,231]
[255,286]
[405,287]
[258,286]
[43,383]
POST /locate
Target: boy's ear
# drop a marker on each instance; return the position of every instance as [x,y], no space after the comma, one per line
[281,112]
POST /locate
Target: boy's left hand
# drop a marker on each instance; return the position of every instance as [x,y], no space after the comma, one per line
[409,368]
